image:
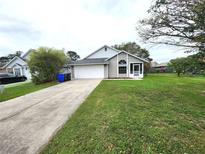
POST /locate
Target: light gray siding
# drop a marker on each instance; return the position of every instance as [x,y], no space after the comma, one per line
[122,56]
[134,60]
[104,52]
[113,67]
[106,71]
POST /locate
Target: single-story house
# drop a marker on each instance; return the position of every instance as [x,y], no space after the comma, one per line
[108,62]
[18,66]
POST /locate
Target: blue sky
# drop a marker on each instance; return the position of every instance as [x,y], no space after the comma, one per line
[79,25]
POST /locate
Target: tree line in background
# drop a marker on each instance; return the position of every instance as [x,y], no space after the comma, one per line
[191,65]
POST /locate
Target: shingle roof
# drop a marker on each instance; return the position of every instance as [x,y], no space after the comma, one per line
[90,61]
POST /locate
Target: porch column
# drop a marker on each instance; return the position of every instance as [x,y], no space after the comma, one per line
[21,71]
[13,70]
[107,71]
[127,67]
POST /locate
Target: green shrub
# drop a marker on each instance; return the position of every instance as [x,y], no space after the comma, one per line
[45,63]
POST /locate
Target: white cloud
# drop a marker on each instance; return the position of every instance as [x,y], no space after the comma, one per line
[79,25]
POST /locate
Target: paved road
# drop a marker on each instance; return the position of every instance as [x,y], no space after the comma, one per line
[27,123]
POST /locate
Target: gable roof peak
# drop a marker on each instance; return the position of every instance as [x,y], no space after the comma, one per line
[100,49]
[16,57]
[123,51]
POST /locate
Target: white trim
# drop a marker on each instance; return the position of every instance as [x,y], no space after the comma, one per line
[136,56]
[132,75]
[13,71]
[107,71]
[127,67]
[87,64]
[94,71]
[134,67]
[16,57]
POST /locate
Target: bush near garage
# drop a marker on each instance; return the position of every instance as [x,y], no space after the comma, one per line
[45,63]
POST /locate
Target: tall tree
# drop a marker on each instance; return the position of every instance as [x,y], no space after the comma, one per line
[133,48]
[175,22]
[72,55]
[188,64]
[178,65]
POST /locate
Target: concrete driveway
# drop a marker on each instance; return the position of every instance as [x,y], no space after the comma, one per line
[27,123]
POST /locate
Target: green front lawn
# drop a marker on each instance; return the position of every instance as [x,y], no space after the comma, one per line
[22,89]
[161,114]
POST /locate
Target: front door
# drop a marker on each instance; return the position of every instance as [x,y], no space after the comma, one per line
[136,69]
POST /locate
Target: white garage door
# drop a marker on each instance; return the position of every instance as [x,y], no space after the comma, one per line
[91,71]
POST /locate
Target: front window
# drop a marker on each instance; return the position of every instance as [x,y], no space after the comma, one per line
[122,69]
[122,62]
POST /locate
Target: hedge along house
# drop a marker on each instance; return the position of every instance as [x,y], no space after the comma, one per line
[108,62]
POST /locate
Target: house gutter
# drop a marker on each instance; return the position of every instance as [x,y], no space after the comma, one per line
[87,64]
